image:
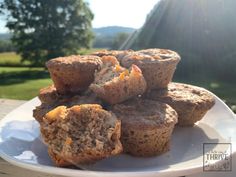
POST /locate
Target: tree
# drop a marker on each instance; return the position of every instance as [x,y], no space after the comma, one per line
[45,29]
[119,39]
[103,41]
[6,46]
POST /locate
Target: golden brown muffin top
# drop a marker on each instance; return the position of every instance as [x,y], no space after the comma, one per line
[84,110]
[160,53]
[102,53]
[115,73]
[149,56]
[48,89]
[146,114]
[64,100]
[73,132]
[74,60]
[48,94]
[109,60]
[178,92]
[117,53]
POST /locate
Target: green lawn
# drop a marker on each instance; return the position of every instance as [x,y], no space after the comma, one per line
[11,59]
[88,51]
[224,90]
[18,81]
[22,82]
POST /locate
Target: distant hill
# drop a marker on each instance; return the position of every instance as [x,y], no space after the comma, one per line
[103,31]
[5,36]
[104,36]
[112,30]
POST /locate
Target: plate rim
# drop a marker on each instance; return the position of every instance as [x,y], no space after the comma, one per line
[77,172]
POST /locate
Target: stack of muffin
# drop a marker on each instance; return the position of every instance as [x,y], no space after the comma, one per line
[111,102]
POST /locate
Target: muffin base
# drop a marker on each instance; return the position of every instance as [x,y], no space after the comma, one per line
[152,142]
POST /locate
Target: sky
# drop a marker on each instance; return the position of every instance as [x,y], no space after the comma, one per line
[128,13]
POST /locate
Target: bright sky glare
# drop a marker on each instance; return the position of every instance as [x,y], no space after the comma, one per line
[3,29]
[128,13]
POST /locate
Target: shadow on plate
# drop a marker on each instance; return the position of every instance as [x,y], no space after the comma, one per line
[21,140]
[186,145]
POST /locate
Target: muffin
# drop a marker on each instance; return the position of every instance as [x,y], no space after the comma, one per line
[115,84]
[109,60]
[40,111]
[81,134]
[190,102]
[146,126]
[119,54]
[57,160]
[68,101]
[163,53]
[48,94]
[73,74]
[158,65]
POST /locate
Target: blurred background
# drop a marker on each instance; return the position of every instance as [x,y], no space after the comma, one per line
[203,32]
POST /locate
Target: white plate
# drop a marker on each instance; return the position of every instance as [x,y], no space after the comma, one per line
[20,145]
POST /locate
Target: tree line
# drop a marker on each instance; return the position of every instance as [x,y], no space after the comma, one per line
[42,30]
[6,46]
[104,42]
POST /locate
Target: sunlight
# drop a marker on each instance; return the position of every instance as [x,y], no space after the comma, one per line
[129,13]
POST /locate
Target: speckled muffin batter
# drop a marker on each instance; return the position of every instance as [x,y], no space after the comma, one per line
[190,102]
[146,126]
[48,95]
[65,100]
[158,65]
[81,134]
[115,84]
[74,73]
[119,54]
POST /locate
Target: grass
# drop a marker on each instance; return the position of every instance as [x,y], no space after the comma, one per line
[18,81]
[23,91]
[88,51]
[22,82]
[224,90]
[11,59]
